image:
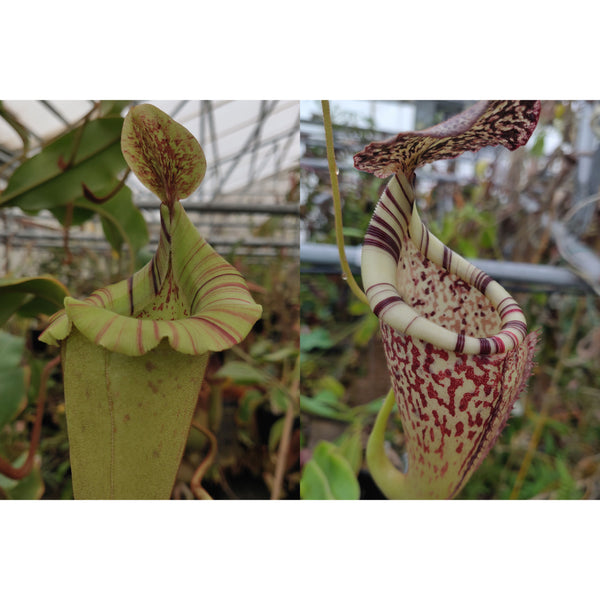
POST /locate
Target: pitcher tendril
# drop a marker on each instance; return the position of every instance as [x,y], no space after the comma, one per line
[337,205]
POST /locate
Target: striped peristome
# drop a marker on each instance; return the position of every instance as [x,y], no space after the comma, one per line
[396,231]
[456,342]
[187,294]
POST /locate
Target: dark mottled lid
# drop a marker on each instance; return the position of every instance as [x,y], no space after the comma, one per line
[486,123]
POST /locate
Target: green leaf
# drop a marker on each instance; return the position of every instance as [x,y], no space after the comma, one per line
[93,155]
[259,347]
[489,237]
[279,400]
[330,383]
[30,296]
[122,222]
[537,149]
[325,404]
[314,484]
[13,377]
[350,445]
[328,476]
[316,338]
[241,372]
[10,302]
[280,355]
[372,407]
[468,248]
[275,434]
[163,154]
[12,350]
[248,404]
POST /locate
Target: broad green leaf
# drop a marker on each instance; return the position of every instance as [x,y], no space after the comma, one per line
[78,216]
[30,296]
[89,155]
[13,393]
[328,476]
[163,154]
[122,222]
[314,484]
[13,377]
[10,302]
[12,350]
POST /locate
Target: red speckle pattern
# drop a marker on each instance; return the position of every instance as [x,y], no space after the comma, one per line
[162,153]
[452,406]
[456,387]
[442,296]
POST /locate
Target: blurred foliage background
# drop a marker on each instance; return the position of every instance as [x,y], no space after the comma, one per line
[537,205]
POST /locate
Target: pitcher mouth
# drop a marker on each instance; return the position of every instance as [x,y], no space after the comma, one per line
[406,270]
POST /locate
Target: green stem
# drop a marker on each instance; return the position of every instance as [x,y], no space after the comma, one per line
[389,480]
[76,143]
[89,195]
[337,204]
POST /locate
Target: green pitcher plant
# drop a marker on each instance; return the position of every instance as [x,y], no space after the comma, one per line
[134,353]
[456,342]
